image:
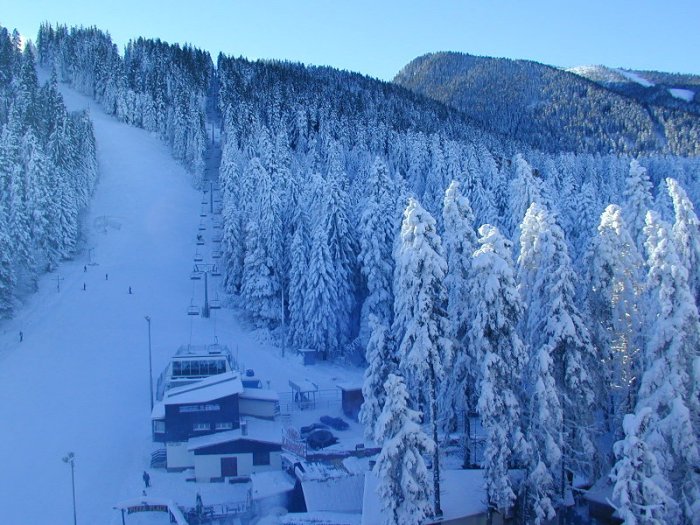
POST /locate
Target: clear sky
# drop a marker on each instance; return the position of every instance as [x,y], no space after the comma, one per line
[379,37]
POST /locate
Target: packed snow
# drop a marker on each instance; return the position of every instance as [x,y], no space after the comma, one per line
[683,94]
[635,77]
[79,379]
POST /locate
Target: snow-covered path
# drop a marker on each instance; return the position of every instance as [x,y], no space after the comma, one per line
[79,380]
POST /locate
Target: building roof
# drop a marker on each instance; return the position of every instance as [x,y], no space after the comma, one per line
[303,385]
[462,494]
[260,430]
[349,386]
[261,394]
[270,483]
[207,389]
[202,350]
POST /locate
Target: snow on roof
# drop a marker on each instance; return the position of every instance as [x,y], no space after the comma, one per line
[462,494]
[336,494]
[601,491]
[262,394]
[158,411]
[257,430]
[683,94]
[270,483]
[349,386]
[303,385]
[208,389]
[202,350]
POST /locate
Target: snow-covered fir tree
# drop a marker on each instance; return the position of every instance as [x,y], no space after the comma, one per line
[553,324]
[671,379]
[381,362]
[377,231]
[459,240]
[641,490]
[614,296]
[637,202]
[498,358]
[404,482]
[686,233]
[421,326]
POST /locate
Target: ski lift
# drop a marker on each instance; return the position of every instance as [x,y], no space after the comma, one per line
[192,309]
[203,213]
[198,257]
[200,239]
[215,272]
[202,227]
[196,275]
[217,237]
[215,304]
[216,254]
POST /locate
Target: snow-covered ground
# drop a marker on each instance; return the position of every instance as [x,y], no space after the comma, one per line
[635,77]
[79,380]
[683,94]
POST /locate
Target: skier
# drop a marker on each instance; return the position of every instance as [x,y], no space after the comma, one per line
[21,336]
[84,287]
[146,479]
[129,290]
[106,277]
[85,268]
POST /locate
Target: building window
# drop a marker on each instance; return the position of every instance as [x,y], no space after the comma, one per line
[159,427]
[224,426]
[199,427]
[261,458]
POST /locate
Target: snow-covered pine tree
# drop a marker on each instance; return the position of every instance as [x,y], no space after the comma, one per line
[298,274]
[378,224]
[614,295]
[641,490]
[381,359]
[637,201]
[261,286]
[498,358]
[7,272]
[553,324]
[321,299]
[421,326]
[404,483]
[458,396]
[686,233]
[670,384]
[525,189]
[542,487]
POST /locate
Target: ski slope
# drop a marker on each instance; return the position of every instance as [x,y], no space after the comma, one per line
[79,381]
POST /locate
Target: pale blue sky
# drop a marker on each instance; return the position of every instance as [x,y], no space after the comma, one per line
[379,37]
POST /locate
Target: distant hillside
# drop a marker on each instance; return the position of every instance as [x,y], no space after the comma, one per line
[594,110]
[671,90]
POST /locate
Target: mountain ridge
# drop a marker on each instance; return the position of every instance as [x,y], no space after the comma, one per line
[555,109]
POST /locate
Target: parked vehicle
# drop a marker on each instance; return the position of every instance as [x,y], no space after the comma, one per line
[335,423]
[305,431]
[321,439]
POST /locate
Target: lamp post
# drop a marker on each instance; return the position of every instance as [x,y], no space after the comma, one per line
[70,458]
[150,362]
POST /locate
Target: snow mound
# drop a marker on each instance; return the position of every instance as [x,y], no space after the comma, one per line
[683,94]
[635,77]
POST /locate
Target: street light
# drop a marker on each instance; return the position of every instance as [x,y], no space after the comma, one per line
[150,361]
[70,458]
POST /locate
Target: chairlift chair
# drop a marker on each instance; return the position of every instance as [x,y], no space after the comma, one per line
[198,257]
[196,275]
[216,254]
[193,309]
[215,272]
[215,304]
[202,226]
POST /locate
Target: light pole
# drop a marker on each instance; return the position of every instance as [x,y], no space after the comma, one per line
[150,361]
[70,458]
